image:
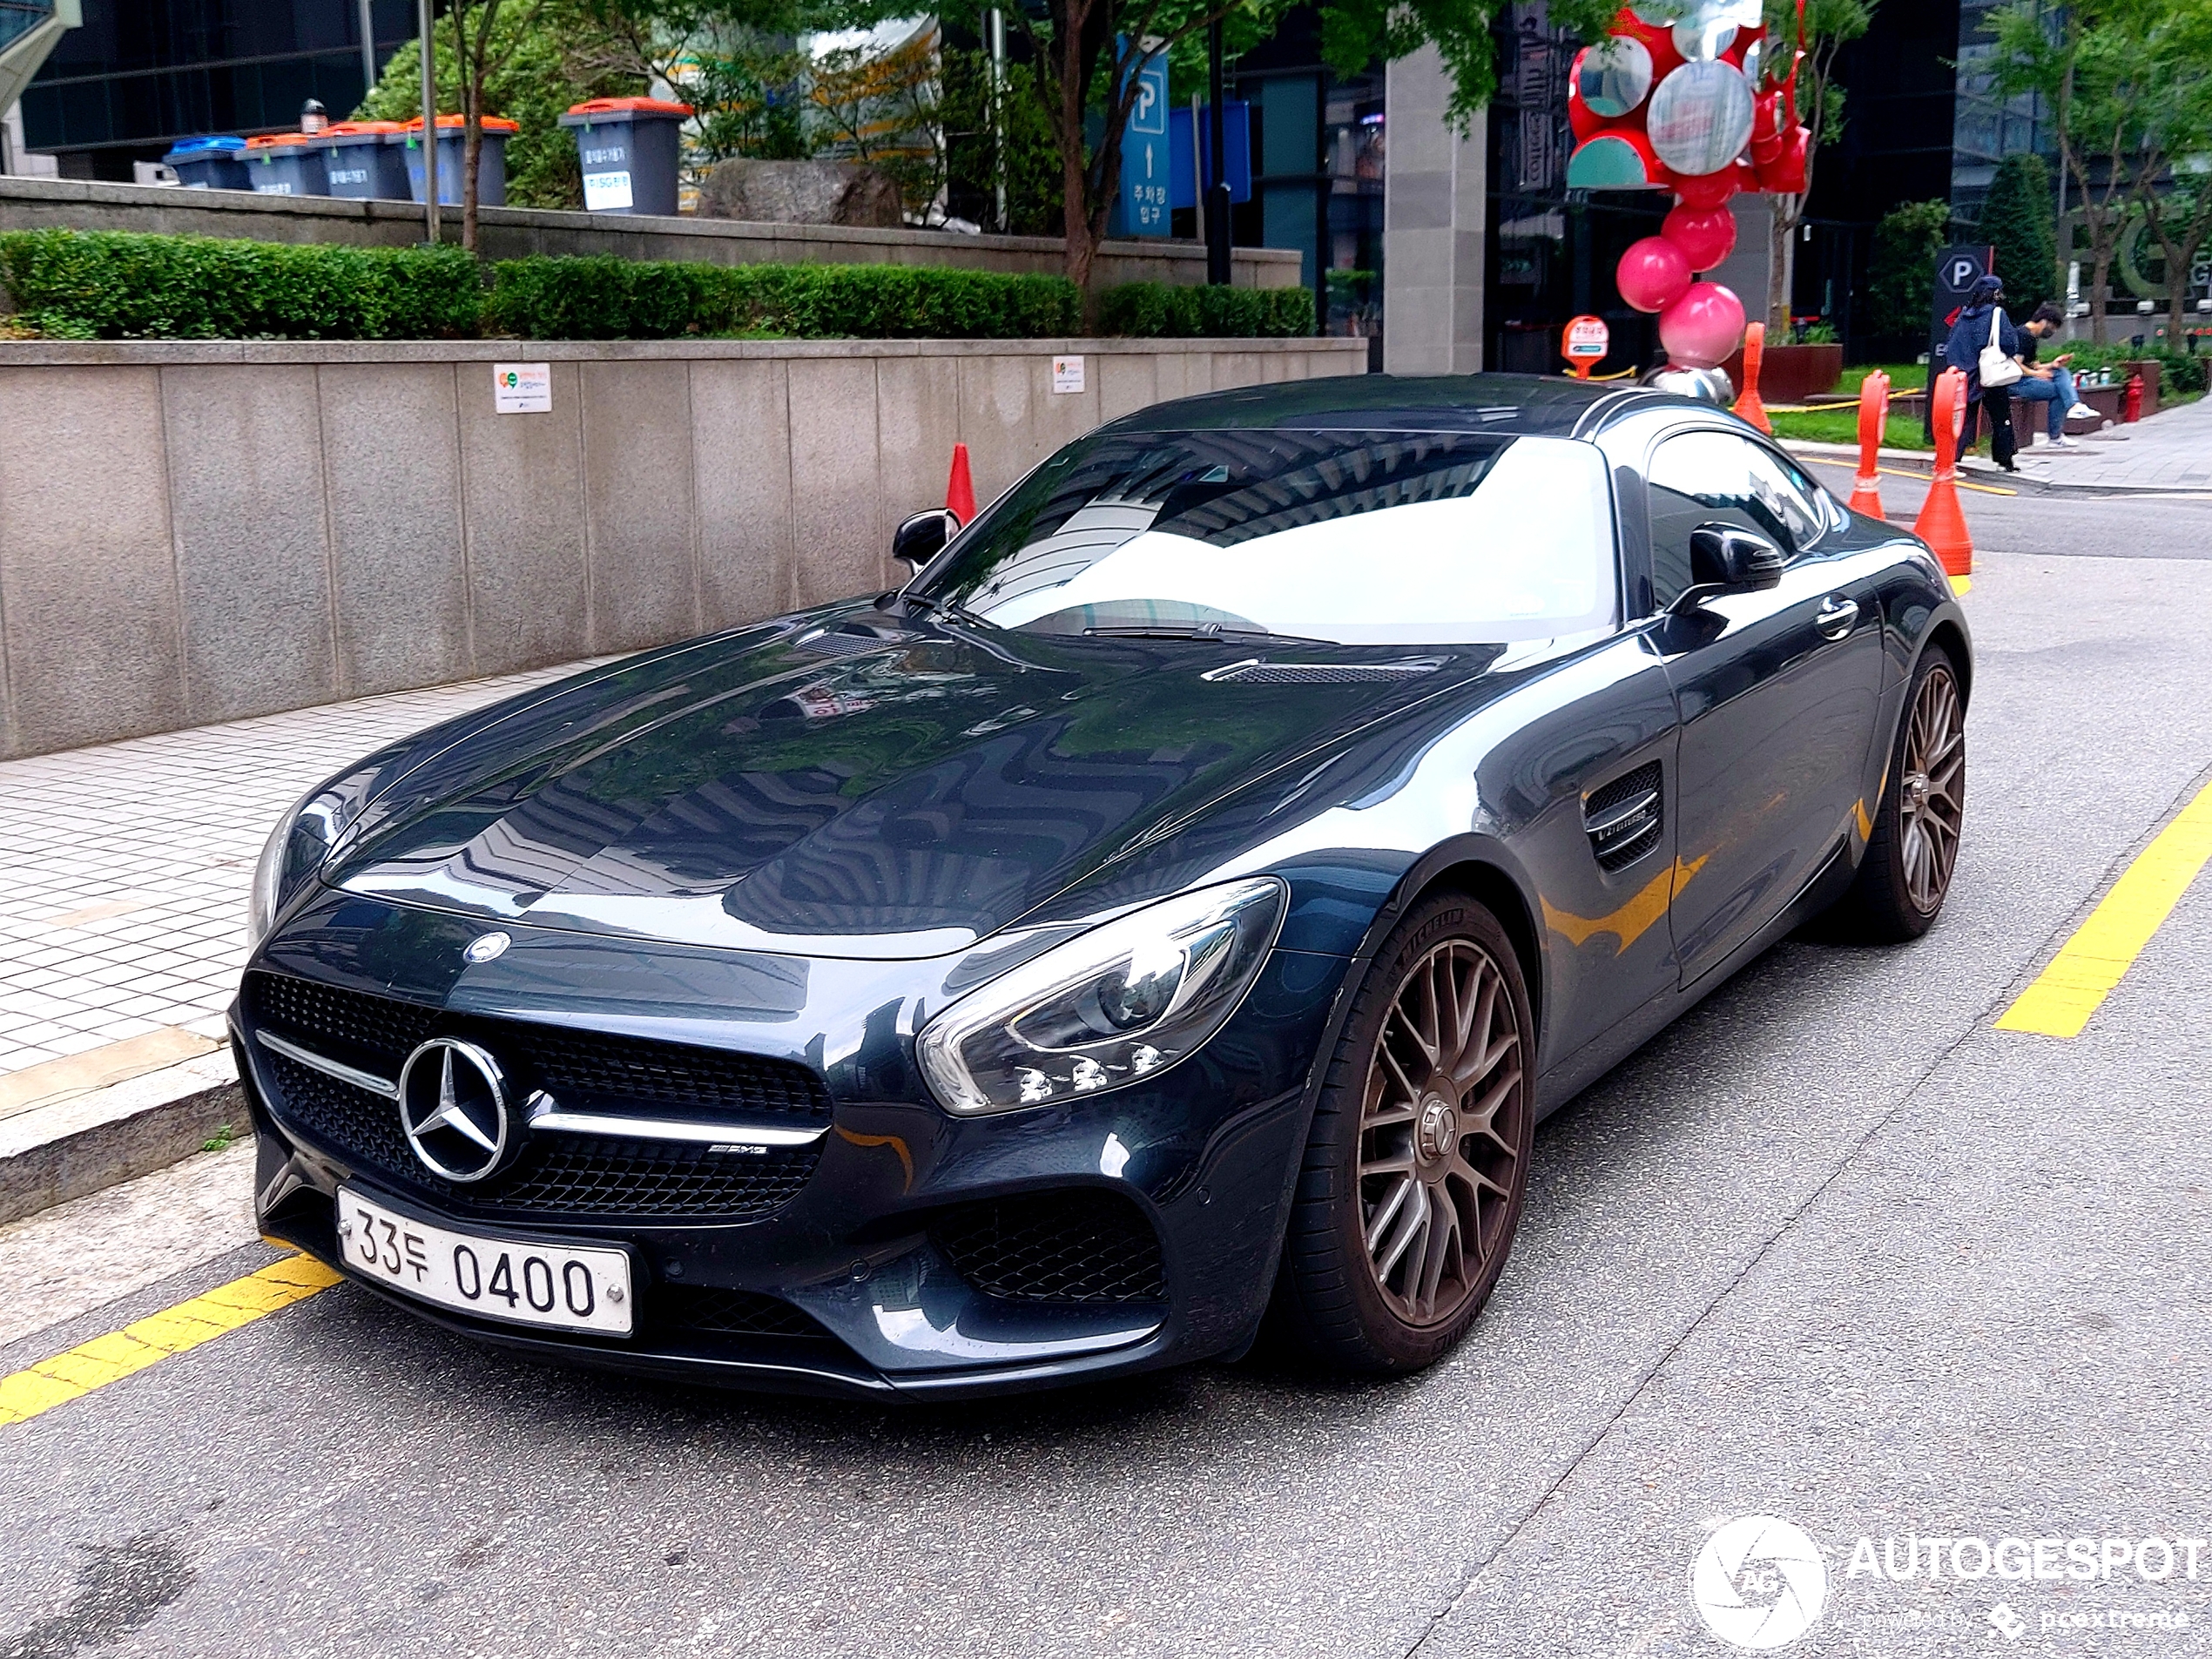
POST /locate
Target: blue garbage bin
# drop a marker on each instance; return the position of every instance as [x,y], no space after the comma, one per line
[628,146]
[492,162]
[359,162]
[285,163]
[210,164]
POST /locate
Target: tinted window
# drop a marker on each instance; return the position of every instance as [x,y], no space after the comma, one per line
[1709,477]
[1360,537]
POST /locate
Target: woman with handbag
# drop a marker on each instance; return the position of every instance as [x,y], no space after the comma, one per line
[1986,345]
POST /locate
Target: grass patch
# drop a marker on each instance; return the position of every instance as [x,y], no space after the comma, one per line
[1841,426]
[220,1140]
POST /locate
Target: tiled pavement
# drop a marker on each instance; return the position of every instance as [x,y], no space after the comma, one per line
[124,868]
[2171,450]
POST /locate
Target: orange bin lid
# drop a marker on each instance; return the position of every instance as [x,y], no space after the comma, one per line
[348,128]
[455,122]
[629,106]
[272,140]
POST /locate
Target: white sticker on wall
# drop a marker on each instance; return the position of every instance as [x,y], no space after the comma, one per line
[522,389]
[604,190]
[1066,374]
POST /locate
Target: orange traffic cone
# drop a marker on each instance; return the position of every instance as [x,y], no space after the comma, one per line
[1748,405]
[1874,415]
[1941,524]
[960,491]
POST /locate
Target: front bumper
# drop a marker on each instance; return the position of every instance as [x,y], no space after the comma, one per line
[873,1252]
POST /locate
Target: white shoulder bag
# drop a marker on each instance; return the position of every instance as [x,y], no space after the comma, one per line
[1997,369]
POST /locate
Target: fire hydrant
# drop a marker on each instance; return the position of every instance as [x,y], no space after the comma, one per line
[2134,412]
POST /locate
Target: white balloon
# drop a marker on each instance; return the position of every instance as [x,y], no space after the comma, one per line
[1701,118]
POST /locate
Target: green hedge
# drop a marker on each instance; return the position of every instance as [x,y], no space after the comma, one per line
[605,298]
[2180,373]
[106,285]
[1156,310]
[115,285]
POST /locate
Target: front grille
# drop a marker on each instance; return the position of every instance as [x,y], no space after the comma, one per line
[1083,1245]
[556,1176]
[1321,673]
[731,1313]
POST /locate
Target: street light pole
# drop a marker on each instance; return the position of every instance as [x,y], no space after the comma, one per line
[1216,215]
[429,122]
[368,50]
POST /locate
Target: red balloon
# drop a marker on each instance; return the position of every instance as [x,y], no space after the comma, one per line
[1702,328]
[1705,235]
[1653,274]
[1785,174]
[1707,190]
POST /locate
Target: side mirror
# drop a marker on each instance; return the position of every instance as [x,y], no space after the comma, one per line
[922,537]
[1734,559]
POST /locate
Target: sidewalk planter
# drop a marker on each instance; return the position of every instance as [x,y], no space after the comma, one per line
[210,164]
[364,160]
[628,148]
[277,524]
[1791,373]
[491,161]
[286,163]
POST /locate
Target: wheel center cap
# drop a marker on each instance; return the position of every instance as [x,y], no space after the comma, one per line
[1438,1129]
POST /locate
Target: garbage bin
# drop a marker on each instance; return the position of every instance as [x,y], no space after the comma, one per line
[285,163]
[210,164]
[491,163]
[628,148]
[361,164]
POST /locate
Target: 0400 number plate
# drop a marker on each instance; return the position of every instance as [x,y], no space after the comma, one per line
[522,1283]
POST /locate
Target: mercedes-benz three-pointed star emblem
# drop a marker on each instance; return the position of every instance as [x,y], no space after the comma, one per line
[452,1105]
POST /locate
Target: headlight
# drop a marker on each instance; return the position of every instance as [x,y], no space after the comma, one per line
[301,842]
[1110,1007]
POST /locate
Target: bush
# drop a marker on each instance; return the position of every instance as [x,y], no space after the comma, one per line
[1901,285]
[115,285]
[2179,373]
[605,298]
[1157,311]
[2017,220]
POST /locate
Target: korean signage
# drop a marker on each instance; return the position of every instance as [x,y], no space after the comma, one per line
[522,389]
[1148,167]
[1584,344]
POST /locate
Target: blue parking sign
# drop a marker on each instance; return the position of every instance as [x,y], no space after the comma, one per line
[1141,209]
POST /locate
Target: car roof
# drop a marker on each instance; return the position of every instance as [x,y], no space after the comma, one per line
[1521,404]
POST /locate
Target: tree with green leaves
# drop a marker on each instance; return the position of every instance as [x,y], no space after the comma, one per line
[1829,24]
[2018,221]
[1900,287]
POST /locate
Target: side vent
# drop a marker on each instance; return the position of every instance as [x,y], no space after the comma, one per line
[1624,819]
[1260,672]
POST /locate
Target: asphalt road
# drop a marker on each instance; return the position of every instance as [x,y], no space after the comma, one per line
[1832,1250]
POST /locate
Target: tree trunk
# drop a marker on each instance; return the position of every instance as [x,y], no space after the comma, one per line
[2100,252]
[1782,268]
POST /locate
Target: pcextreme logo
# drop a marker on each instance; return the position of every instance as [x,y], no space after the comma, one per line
[1758,1582]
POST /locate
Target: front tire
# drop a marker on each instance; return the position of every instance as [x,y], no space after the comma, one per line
[1903,879]
[1418,1163]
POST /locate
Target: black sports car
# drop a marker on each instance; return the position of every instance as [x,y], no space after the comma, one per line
[1175,908]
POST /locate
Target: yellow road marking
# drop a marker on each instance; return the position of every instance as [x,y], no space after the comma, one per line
[1892,472]
[173,1331]
[2089,965]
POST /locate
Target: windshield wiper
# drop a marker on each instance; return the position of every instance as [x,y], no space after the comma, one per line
[1200,630]
[951,610]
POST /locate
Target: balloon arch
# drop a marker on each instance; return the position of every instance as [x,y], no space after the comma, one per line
[1684,96]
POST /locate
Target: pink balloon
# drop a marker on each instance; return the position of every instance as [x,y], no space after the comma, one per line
[1702,328]
[1707,189]
[1705,235]
[1653,274]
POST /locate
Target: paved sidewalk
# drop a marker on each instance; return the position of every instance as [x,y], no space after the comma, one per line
[124,877]
[2171,450]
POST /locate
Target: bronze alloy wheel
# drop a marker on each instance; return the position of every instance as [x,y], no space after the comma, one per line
[1931,789]
[1440,1134]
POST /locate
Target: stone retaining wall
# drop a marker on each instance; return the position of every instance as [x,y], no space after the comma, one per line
[193,532]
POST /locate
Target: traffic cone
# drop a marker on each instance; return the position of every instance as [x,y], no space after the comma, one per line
[1748,406]
[959,492]
[1874,415]
[1941,524]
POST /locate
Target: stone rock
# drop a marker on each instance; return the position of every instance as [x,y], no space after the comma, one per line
[801,193]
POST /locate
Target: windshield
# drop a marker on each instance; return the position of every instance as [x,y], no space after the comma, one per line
[1363,538]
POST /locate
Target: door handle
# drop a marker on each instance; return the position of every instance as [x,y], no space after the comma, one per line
[1839,615]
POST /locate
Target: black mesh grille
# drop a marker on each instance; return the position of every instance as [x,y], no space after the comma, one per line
[1083,1245]
[1320,673]
[1620,844]
[556,1174]
[732,1313]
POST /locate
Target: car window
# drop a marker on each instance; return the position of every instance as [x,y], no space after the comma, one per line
[1355,536]
[1703,477]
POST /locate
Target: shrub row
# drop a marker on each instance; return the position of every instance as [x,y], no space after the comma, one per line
[2179,372]
[107,285]
[1161,311]
[115,285]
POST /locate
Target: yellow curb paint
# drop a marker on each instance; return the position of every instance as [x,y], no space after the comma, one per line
[2089,965]
[104,1359]
[1960,584]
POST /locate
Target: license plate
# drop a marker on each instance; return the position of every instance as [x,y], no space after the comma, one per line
[562,1286]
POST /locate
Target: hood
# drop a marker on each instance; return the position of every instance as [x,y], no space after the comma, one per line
[858,786]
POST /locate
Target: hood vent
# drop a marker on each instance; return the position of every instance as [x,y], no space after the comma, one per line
[1257,671]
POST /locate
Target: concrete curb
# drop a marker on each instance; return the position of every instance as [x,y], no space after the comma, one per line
[88,1142]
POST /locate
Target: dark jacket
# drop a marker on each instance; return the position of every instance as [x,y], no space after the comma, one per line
[1969,334]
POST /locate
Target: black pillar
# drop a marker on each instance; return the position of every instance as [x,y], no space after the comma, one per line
[1217,204]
